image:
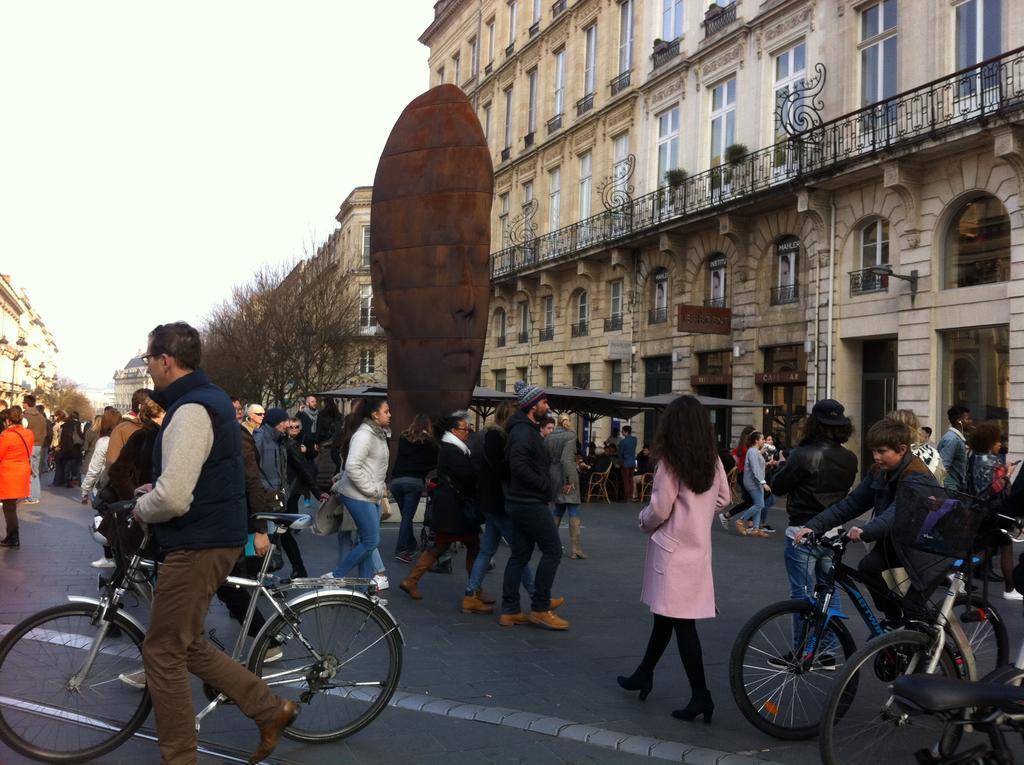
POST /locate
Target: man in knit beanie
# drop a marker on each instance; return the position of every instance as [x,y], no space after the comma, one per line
[526,503]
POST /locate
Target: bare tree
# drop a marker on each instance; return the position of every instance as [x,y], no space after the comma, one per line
[64,394]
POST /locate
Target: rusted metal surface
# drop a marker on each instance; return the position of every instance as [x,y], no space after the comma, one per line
[429,243]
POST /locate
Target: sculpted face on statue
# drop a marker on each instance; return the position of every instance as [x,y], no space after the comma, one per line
[430,244]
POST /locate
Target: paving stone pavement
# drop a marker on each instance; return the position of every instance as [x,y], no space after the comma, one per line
[473,692]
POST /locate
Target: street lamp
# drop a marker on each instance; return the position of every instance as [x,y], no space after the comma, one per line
[887,271]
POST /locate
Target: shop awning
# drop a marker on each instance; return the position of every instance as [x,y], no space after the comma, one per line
[664,399]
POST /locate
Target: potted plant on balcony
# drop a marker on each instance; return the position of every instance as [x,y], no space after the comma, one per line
[735,153]
[675,177]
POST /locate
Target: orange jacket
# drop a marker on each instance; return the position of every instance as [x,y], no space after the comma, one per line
[15,462]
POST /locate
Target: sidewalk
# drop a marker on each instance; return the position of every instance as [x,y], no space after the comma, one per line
[472,691]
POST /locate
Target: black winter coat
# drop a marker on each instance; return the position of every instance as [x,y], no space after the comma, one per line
[814,476]
[493,472]
[456,485]
[529,479]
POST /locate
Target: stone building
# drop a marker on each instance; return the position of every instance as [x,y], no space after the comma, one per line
[28,353]
[774,201]
[127,380]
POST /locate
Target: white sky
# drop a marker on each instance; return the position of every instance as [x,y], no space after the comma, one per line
[153,155]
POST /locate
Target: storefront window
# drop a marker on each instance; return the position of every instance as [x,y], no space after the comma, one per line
[785,390]
[976,373]
[978,244]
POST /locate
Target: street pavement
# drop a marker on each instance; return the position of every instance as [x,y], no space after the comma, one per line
[472,692]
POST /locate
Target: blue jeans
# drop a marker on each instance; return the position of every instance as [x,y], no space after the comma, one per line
[530,525]
[367,518]
[561,508]
[347,541]
[805,566]
[407,491]
[758,511]
[497,527]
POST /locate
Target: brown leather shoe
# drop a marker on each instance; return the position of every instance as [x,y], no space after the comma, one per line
[548,620]
[270,733]
[472,604]
[511,620]
[488,599]
[409,586]
[556,603]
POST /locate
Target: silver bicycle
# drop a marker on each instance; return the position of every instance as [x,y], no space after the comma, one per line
[329,646]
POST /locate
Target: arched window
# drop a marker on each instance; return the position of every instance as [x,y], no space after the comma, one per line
[978,244]
[581,328]
[716,281]
[500,325]
[873,246]
[787,269]
[659,298]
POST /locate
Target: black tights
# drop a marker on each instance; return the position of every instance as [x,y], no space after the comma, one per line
[689,650]
[11,516]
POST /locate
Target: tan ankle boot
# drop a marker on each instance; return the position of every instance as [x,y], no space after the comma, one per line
[471,604]
[423,565]
[574,540]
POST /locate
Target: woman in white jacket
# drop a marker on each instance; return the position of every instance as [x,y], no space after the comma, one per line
[363,486]
[95,469]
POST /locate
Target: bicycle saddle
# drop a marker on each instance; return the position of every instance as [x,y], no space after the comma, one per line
[944,694]
[291,520]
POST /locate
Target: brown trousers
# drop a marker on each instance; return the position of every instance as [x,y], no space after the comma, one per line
[175,646]
[627,484]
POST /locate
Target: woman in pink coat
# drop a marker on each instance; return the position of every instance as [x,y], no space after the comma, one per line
[690,486]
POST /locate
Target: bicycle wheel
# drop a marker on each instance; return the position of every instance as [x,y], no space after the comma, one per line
[775,686]
[46,711]
[985,630]
[360,650]
[861,723]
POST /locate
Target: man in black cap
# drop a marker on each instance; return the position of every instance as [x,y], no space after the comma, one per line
[818,473]
[526,503]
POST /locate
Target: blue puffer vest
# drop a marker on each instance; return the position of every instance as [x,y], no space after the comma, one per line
[218,516]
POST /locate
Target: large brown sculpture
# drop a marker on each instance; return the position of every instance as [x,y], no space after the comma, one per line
[429,244]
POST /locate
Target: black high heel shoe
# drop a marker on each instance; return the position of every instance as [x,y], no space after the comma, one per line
[699,705]
[638,681]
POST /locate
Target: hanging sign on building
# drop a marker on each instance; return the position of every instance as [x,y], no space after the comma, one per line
[619,349]
[704,320]
[780,378]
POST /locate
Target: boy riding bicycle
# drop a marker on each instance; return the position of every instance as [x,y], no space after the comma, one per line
[894,466]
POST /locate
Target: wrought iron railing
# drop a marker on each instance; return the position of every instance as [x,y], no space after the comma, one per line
[585,104]
[971,271]
[613,323]
[665,53]
[555,123]
[788,293]
[994,87]
[510,49]
[500,342]
[524,337]
[620,83]
[558,8]
[545,334]
[867,280]
[528,140]
[718,302]
[580,329]
[534,29]
[716,23]
[506,153]
[657,315]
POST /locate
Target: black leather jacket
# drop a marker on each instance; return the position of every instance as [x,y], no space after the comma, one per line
[814,476]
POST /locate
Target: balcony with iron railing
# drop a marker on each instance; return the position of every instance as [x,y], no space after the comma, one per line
[546,334]
[717,302]
[717,20]
[585,104]
[558,8]
[523,337]
[500,342]
[555,123]
[580,329]
[787,293]
[658,315]
[966,98]
[534,29]
[866,280]
[613,323]
[620,83]
[665,52]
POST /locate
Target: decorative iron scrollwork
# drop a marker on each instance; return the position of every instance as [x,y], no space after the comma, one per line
[799,110]
[522,229]
[616,190]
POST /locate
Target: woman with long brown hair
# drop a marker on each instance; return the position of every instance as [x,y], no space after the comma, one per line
[417,456]
[690,486]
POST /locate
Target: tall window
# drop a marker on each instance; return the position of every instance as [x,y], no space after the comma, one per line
[440,75]
[978,31]
[513,9]
[580,375]
[503,208]
[723,119]
[661,290]
[671,19]
[366,361]
[668,142]
[976,372]
[527,193]
[487,122]
[625,36]
[508,117]
[790,74]
[524,322]
[615,298]
[536,12]
[490,41]
[531,116]
[716,283]
[499,380]
[474,55]
[585,185]
[787,254]
[500,326]
[457,69]
[878,52]
[554,197]
[548,375]
[590,60]
[620,153]
[615,376]
[978,244]
[366,247]
[582,307]
[559,82]
[874,244]
[367,315]
[547,308]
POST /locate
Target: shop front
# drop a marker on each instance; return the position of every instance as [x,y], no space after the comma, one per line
[714,378]
[975,374]
[784,384]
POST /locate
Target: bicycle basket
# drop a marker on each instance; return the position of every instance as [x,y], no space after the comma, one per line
[936,520]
